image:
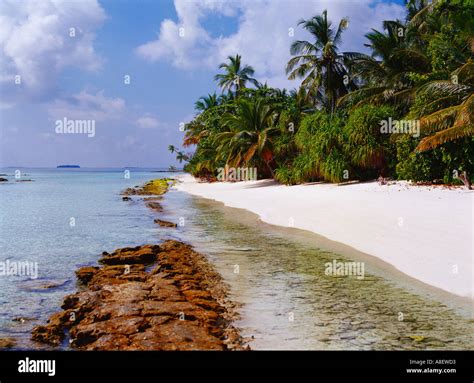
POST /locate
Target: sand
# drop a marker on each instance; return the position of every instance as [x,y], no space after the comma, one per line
[425,232]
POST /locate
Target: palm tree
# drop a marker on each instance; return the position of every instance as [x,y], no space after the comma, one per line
[302,100]
[171,148]
[386,72]
[206,102]
[182,157]
[319,63]
[235,77]
[454,105]
[248,134]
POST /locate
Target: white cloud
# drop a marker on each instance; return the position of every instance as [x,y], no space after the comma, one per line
[262,37]
[147,122]
[35,43]
[185,43]
[88,106]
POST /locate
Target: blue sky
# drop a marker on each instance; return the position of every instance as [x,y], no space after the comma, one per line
[82,76]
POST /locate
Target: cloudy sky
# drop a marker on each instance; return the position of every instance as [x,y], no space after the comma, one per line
[137,67]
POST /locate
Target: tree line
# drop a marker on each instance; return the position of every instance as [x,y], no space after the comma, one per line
[403,111]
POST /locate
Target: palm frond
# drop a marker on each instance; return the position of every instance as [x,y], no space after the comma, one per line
[446,135]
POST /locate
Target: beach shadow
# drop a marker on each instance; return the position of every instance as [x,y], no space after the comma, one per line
[262,184]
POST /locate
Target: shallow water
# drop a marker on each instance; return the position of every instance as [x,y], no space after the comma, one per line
[61,220]
[276,275]
[288,302]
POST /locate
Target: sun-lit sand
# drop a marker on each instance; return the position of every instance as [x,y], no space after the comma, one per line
[425,232]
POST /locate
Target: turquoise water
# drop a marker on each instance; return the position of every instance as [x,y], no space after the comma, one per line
[35,226]
[284,298]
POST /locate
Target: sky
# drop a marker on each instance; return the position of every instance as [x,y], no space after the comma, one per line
[135,68]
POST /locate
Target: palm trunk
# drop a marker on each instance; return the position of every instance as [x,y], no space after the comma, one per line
[269,168]
[464,177]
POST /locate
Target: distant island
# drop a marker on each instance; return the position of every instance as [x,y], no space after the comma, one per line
[68,166]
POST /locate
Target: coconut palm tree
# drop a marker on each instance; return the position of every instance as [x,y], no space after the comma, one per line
[385,73]
[319,63]
[206,102]
[454,105]
[180,156]
[235,76]
[248,135]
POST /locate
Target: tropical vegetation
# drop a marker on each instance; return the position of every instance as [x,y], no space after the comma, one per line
[417,72]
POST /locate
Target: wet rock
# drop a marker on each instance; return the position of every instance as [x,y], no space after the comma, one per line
[154,187]
[165,223]
[38,285]
[23,319]
[53,333]
[6,343]
[85,274]
[141,254]
[125,198]
[154,206]
[176,306]
[155,198]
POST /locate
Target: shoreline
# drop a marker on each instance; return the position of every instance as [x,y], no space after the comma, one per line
[399,224]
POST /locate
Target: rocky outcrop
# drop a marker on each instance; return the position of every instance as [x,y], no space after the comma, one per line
[7,343]
[153,205]
[165,223]
[145,254]
[151,297]
[154,187]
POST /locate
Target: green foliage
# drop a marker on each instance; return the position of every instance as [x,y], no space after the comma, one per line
[416,166]
[445,49]
[420,68]
[367,146]
[319,63]
[285,175]
[436,165]
[320,140]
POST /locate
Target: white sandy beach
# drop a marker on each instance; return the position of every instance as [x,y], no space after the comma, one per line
[425,232]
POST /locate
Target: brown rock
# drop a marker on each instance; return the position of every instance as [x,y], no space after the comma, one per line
[85,274]
[6,343]
[165,223]
[155,206]
[126,256]
[126,307]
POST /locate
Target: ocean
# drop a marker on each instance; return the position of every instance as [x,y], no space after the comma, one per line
[60,220]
